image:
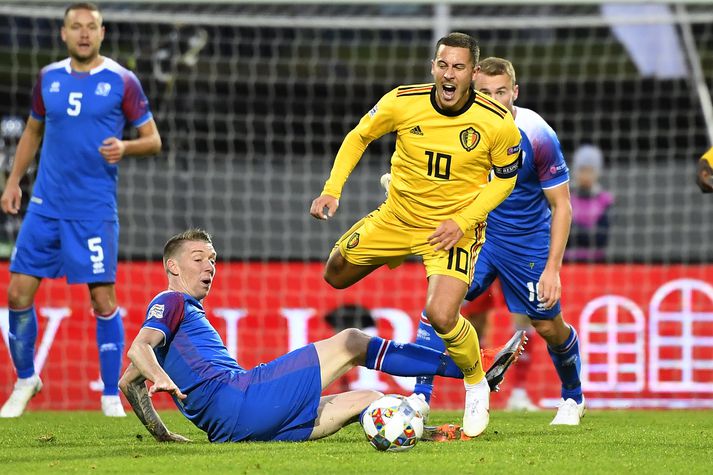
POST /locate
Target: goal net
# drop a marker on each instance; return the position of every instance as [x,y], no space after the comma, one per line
[252,102]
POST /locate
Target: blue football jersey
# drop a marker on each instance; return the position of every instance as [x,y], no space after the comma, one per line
[522,221]
[195,358]
[80,111]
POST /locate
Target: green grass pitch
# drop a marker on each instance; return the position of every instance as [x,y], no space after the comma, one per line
[610,442]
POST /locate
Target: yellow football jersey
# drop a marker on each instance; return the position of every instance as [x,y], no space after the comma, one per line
[442,158]
[708,156]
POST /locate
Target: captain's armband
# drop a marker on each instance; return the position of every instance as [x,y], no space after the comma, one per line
[510,170]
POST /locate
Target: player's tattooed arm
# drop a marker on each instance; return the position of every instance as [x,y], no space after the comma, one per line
[133,385]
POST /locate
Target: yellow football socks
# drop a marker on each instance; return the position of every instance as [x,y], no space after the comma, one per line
[463,346]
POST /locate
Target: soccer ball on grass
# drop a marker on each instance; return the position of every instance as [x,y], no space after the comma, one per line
[391,423]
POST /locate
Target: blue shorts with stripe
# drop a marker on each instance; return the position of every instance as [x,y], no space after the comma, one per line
[85,251]
[518,276]
[281,398]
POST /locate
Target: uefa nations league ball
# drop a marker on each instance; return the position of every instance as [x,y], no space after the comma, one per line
[390,423]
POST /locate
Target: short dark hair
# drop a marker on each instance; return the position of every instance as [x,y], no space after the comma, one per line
[460,40]
[82,6]
[175,242]
[494,66]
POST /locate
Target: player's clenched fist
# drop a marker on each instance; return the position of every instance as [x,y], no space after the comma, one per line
[112,149]
[11,198]
[324,201]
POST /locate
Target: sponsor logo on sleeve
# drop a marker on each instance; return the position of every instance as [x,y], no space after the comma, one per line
[555,169]
[514,150]
[156,311]
[374,110]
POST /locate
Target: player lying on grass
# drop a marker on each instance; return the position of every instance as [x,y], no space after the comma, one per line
[181,353]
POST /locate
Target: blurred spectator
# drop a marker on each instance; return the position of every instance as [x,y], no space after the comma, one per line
[705,172]
[590,208]
[11,128]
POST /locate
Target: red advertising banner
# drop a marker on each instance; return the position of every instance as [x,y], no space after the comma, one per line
[646,332]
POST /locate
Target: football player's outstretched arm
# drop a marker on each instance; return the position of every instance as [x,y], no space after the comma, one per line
[133,384]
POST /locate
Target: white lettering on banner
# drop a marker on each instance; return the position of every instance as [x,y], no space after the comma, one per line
[54,316]
[231,316]
[623,317]
[683,343]
[297,328]
[297,325]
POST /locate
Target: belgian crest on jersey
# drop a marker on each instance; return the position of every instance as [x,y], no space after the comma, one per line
[353,241]
[469,138]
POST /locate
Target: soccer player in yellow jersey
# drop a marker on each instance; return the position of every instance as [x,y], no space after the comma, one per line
[449,138]
[705,172]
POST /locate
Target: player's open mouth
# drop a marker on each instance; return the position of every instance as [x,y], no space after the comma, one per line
[207,281]
[449,91]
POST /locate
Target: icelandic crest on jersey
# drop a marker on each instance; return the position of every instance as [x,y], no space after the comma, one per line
[156,311]
[469,138]
[103,89]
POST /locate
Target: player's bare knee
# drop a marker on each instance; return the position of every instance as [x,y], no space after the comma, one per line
[333,271]
[552,331]
[369,396]
[103,301]
[334,280]
[18,297]
[355,343]
[442,321]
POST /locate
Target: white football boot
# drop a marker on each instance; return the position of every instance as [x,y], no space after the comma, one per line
[477,408]
[569,413]
[418,403]
[24,390]
[112,407]
[520,401]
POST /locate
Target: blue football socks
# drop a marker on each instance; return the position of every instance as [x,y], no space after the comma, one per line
[427,336]
[110,342]
[408,359]
[568,364]
[23,335]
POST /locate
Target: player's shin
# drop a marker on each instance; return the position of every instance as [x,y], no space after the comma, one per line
[567,362]
[110,342]
[463,346]
[426,336]
[408,359]
[22,338]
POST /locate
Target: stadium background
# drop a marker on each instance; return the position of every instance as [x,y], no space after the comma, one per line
[252,102]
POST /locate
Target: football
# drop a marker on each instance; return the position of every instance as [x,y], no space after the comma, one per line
[392,424]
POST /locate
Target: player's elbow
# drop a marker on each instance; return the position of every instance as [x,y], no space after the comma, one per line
[133,353]
[157,145]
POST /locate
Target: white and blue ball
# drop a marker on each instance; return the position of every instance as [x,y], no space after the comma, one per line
[391,424]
